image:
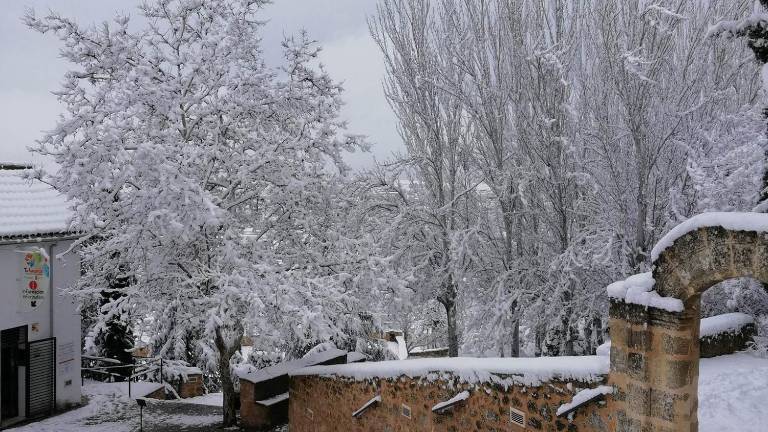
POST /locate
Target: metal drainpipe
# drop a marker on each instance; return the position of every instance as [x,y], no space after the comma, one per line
[52,295]
[51,291]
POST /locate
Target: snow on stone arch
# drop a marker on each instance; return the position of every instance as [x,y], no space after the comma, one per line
[639,288]
[734,221]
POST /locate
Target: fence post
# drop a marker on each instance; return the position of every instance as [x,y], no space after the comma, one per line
[130,378]
[162,380]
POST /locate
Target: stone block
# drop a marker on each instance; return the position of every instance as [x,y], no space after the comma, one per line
[662,405]
[636,367]
[675,345]
[678,373]
[639,339]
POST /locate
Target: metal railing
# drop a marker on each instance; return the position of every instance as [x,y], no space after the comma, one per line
[109,370]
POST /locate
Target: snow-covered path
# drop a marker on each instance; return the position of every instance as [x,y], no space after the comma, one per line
[733,394]
[110,409]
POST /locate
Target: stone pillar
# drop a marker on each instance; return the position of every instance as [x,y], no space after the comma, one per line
[654,367]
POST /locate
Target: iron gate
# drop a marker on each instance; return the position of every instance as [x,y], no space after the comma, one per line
[41,378]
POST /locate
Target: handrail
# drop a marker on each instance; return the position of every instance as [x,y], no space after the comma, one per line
[147,366]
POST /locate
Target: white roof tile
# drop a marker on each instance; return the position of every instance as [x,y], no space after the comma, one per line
[30,207]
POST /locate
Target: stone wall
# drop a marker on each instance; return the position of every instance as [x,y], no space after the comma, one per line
[324,404]
[255,416]
[654,367]
[191,387]
[727,342]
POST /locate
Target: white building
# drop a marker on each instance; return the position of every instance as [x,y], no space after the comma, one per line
[40,327]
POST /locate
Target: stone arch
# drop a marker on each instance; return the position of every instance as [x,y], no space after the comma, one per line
[709,255]
[655,352]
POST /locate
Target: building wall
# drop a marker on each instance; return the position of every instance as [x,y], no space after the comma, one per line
[256,417]
[56,316]
[66,327]
[324,404]
[192,387]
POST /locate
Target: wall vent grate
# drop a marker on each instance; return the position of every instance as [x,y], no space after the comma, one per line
[517,417]
[405,410]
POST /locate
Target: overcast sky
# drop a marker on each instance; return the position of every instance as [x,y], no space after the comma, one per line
[30,67]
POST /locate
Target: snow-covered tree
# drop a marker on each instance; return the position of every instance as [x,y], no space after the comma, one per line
[592,128]
[433,127]
[205,175]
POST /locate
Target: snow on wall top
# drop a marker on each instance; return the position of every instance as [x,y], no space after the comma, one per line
[524,371]
[730,322]
[638,289]
[250,373]
[30,207]
[729,220]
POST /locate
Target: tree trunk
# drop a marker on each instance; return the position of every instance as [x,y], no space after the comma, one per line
[507,207]
[448,300]
[230,397]
[514,350]
[225,376]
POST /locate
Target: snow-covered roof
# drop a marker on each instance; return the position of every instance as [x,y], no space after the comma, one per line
[725,323]
[527,371]
[355,357]
[31,207]
[250,373]
[734,221]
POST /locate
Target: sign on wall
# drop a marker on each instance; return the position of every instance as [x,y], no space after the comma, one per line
[35,280]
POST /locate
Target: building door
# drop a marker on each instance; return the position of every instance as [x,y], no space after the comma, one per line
[13,344]
[41,378]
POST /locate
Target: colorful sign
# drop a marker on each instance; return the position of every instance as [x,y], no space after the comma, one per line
[35,281]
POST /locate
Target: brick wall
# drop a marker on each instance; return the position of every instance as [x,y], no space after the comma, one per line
[256,417]
[322,404]
[192,387]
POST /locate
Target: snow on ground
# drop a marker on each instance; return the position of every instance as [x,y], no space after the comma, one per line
[109,408]
[210,399]
[733,391]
